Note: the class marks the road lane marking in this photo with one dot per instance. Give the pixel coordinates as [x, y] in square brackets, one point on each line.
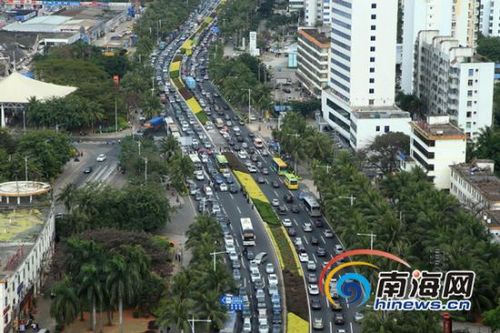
[305, 239]
[315, 260]
[331, 328]
[243, 263]
[238, 209]
[350, 324]
[324, 241]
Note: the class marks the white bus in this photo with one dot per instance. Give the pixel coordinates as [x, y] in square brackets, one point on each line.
[312, 206]
[247, 233]
[196, 161]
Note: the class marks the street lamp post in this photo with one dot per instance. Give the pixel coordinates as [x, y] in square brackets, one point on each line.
[145, 170]
[214, 255]
[249, 94]
[192, 321]
[139, 145]
[371, 235]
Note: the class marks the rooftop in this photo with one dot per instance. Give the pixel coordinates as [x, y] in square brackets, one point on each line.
[439, 131]
[480, 175]
[314, 36]
[19, 229]
[376, 112]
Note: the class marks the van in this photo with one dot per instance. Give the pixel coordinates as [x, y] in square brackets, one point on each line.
[219, 123]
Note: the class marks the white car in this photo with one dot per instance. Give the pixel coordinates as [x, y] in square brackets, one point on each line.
[101, 158]
[254, 267]
[263, 328]
[233, 255]
[216, 209]
[297, 241]
[236, 129]
[242, 154]
[247, 325]
[255, 276]
[307, 227]
[358, 316]
[204, 158]
[303, 257]
[275, 202]
[269, 268]
[252, 169]
[272, 279]
[226, 173]
[230, 247]
[223, 187]
[199, 175]
[287, 223]
[313, 289]
[311, 265]
[228, 240]
[339, 249]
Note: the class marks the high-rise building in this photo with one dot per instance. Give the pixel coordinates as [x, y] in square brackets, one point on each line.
[361, 85]
[436, 145]
[451, 80]
[313, 48]
[316, 12]
[295, 5]
[464, 21]
[421, 15]
[489, 18]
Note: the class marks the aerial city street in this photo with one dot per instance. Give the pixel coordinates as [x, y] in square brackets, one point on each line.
[263, 166]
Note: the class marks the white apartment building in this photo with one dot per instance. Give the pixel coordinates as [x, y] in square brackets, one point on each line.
[295, 5]
[489, 18]
[317, 12]
[477, 188]
[435, 145]
[464, 22]
[362, 70]
[313, 49]
[451, 80]
[421, 15]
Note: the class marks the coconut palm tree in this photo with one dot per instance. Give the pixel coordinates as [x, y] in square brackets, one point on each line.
[176, 312]
[91, 288]
[68, 196]
[66, 305]
[209, 307]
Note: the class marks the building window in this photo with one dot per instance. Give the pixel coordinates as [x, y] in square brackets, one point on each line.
[373, 27]
[469, 103]
[471, 72]
[371, 102]
[386, 129]
[470, 83]
[371, 90]
[374, 5]
[469, 114]
[372, 48]
[469, 93]
[372, 69]
[372, 38]
[372, 80]
[374, 16]
[372, 59]
[377, 128]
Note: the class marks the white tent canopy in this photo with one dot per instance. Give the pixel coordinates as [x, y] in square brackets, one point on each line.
[18, 89]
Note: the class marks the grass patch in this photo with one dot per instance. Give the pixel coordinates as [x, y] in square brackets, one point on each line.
[175, 66]
[194, 105]
[251, 187]
[285, 249]
[275, 245]
[296, 324]
[202, 117]
[266, 211]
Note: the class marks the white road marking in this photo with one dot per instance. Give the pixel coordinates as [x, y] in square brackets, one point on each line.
[243, 264]
[238, 209]
[331, 328]
[315, 260]
[327, 302]
[232, 196]
[305, 239]
[324, 241]
[352, 330]
[276, 193]
[347, 303]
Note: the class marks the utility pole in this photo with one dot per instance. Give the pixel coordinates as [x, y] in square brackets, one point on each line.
[24, 120]
[371, 235]
[327, 167]
[116, 114]
[214, 255]
[296, 135]
[145, 169]
[26, 167]
[139, 144]
[351, 198]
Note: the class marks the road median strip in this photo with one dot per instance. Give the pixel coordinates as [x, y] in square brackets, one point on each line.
[296, 324]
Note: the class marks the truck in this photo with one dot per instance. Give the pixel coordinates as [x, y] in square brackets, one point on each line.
[155, 123]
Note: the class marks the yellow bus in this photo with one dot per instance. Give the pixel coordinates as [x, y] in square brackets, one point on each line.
[279, 166]
[291, 181]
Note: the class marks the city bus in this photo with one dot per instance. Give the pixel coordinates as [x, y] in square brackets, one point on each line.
[312, 206]
[247, 233]
[291, 181]
[279, 166]
[222, 162]
[196, 161]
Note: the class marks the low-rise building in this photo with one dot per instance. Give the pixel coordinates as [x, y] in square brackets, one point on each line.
[436, 145]
[26, 248]
[451, 80]
[313, 48]
[478, 189]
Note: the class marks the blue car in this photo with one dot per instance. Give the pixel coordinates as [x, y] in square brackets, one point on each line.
[219, 179]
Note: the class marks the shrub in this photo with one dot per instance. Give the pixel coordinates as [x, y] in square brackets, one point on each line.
[202, 117]
[266, 212]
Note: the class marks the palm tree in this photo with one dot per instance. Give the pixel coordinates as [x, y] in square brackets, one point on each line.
[65, 306]
[210, 307]
[169, 146]
[176, 312]
[91, 288]
[121, 283]
[68, 196]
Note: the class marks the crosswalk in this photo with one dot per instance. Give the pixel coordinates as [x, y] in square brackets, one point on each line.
[102, 173]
